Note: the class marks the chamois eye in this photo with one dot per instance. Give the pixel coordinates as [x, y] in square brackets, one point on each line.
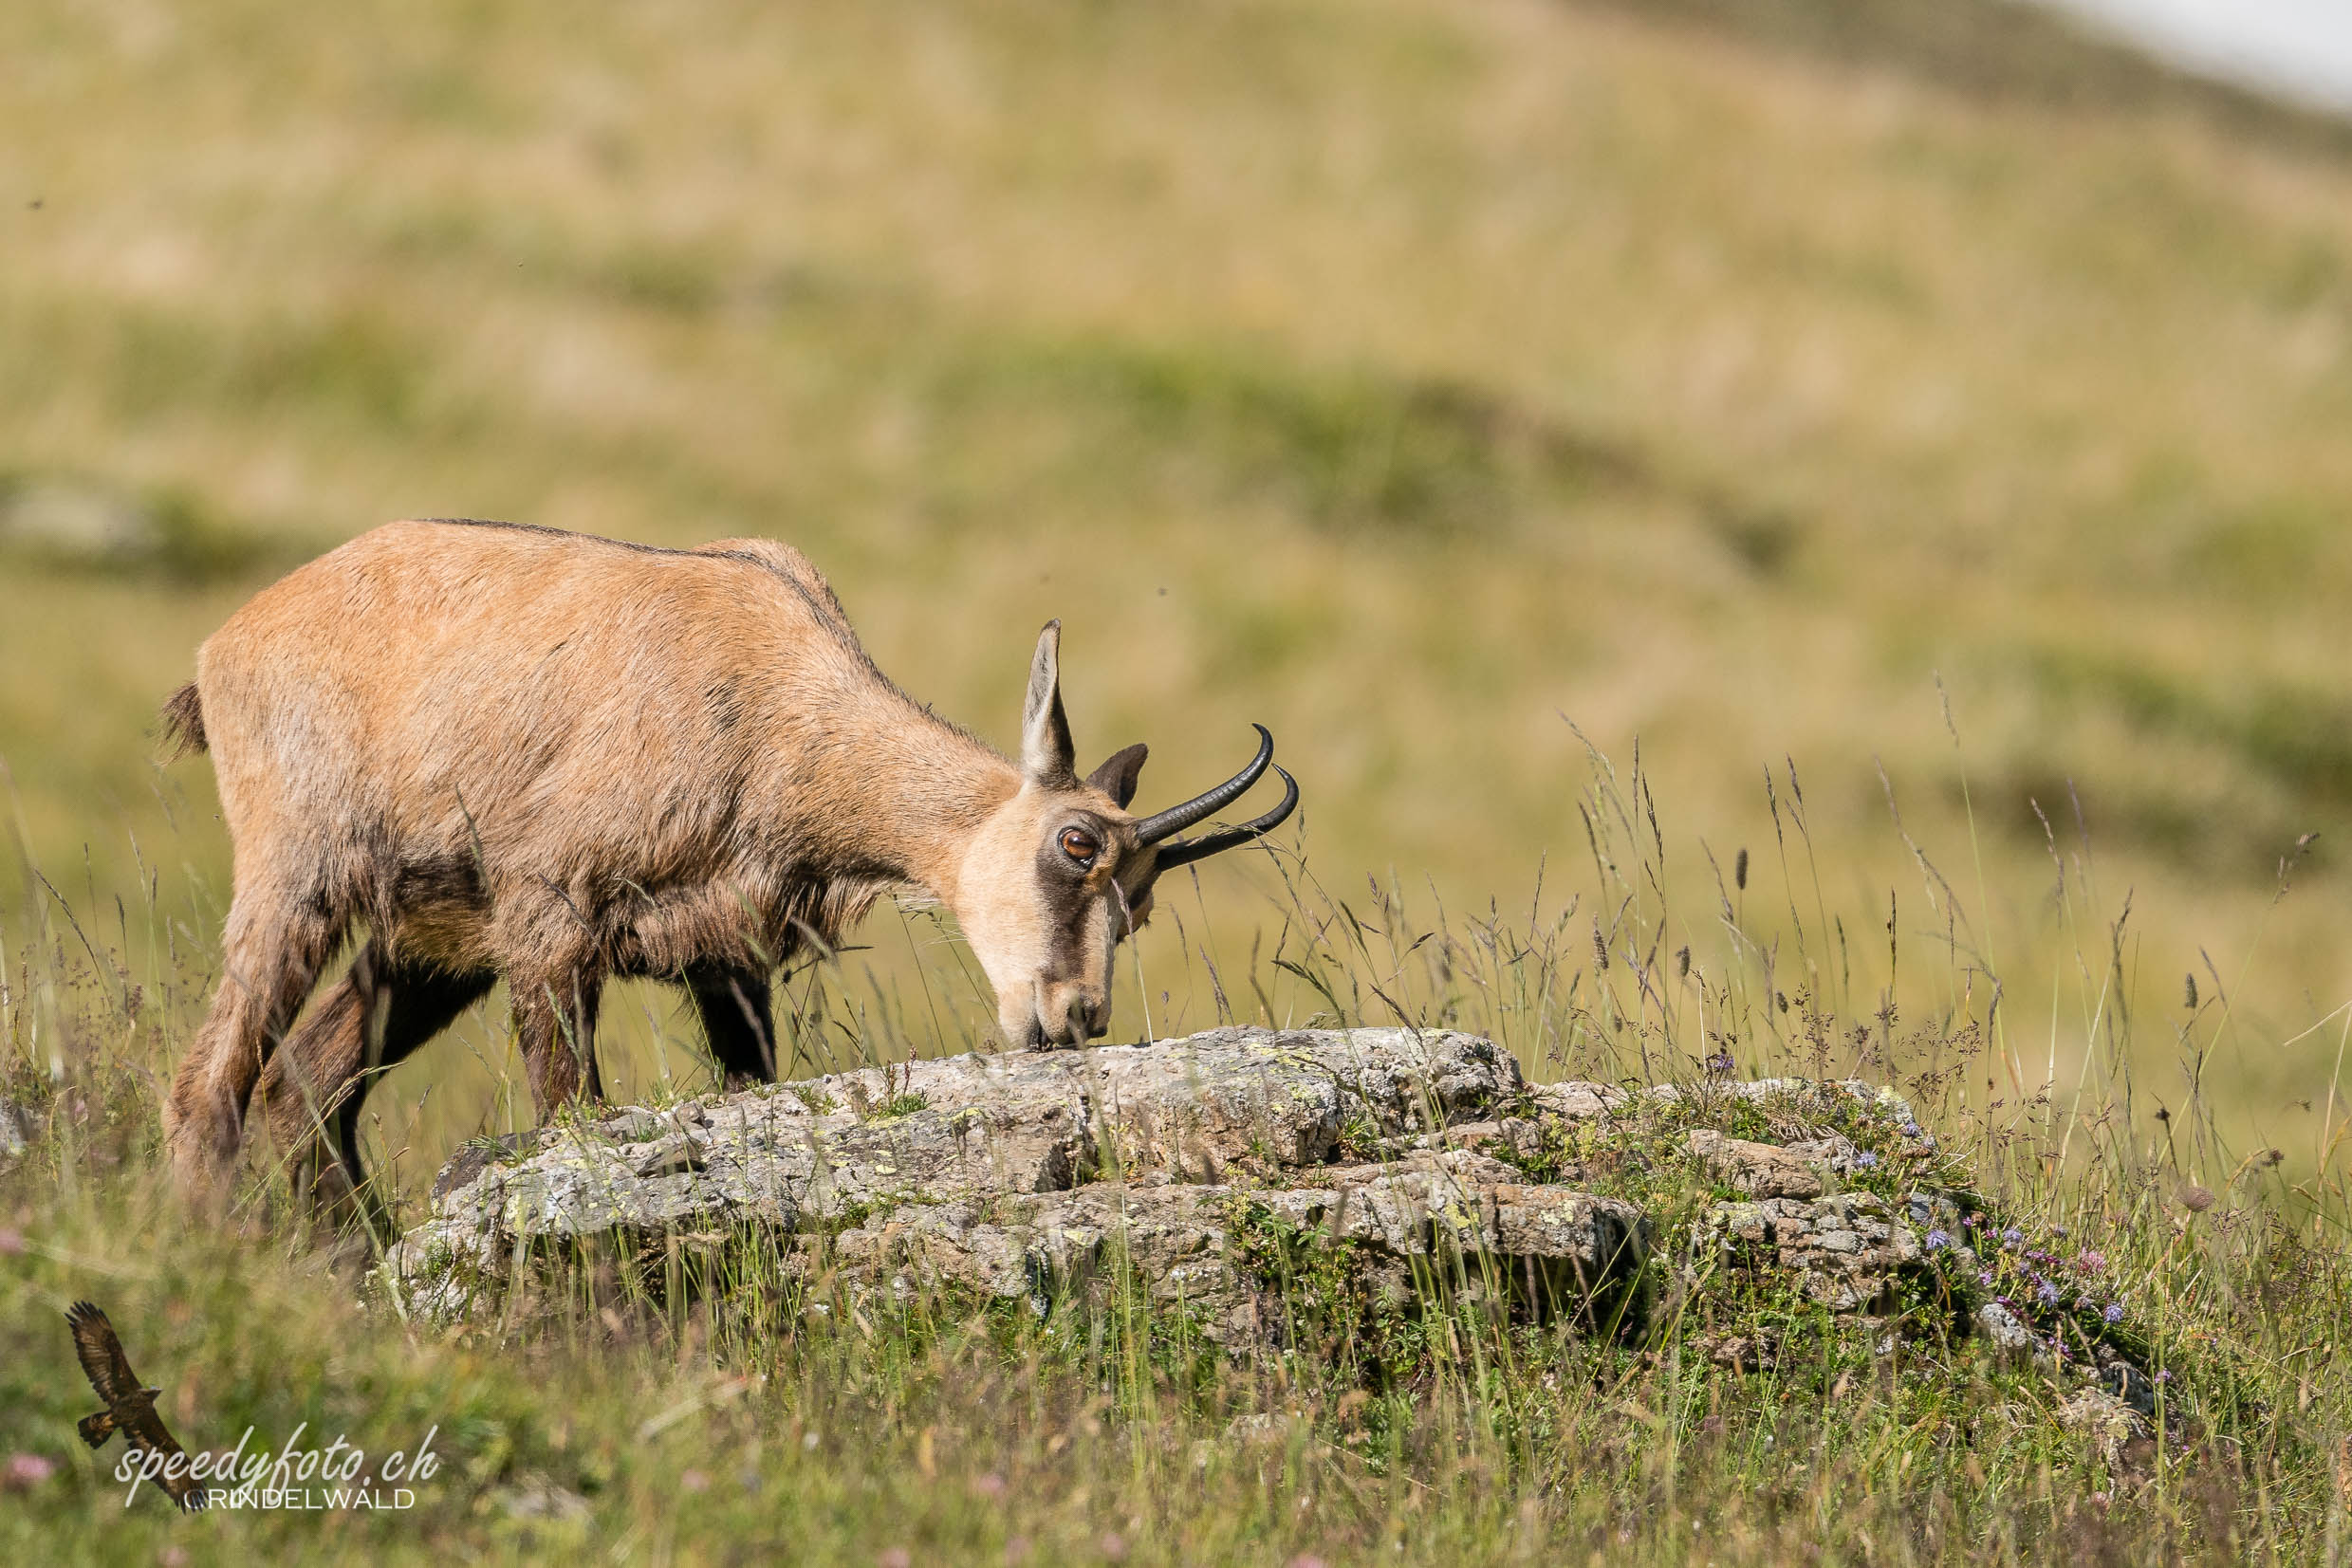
[1080, 845]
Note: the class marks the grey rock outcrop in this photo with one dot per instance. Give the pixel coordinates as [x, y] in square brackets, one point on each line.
[1214, 1174]
[1842, 1252]
[1033, 1175]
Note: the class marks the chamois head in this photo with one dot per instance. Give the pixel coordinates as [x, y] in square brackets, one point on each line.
[1061, 873]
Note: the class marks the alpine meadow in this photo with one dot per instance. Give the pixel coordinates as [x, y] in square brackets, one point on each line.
[1797, 552]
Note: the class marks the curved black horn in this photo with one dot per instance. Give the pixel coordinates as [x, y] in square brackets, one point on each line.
[1178, 818]
[1185, 851]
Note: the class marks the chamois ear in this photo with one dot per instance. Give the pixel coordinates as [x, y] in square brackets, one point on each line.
[1115, 777]
[1047, 759]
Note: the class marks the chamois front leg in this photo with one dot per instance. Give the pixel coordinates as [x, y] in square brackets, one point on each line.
[555, 1026]
[737, 1020]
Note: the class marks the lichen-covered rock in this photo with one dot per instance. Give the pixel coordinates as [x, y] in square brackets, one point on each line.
[1212, 1175]
[1007, 1173]
[1762, 1170]
[1173, 1239]
[19, 1127]
[2107, 1422]
[1579, 1101]
[1842, 1251]
[2005, 1331]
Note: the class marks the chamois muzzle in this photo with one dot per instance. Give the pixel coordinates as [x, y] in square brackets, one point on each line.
[1156, 828]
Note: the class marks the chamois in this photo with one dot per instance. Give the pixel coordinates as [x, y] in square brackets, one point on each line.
[515, 753]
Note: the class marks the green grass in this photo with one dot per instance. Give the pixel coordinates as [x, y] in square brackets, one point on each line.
[697, 1400]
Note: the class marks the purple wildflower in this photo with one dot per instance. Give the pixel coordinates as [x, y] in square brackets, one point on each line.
[2091, 1263]
[2012, 1236]
[1938, 1240]
[1865, 1159]
[1984, 1278]
[2115, 1312]
[2049, 1294]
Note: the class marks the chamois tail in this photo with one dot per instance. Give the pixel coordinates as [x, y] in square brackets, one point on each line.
[183, 722]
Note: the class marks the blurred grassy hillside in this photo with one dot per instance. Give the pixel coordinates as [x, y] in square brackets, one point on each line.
[1411, 377]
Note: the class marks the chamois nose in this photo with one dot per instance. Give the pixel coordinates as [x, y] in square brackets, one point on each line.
[1077, 1014]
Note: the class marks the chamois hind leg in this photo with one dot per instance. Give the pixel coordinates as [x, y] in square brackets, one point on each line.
[277, 939]
[555, 1025]
[736, 1021]
[371, 1022]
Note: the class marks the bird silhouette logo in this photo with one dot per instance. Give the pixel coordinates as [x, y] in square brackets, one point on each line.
[130, 1406]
